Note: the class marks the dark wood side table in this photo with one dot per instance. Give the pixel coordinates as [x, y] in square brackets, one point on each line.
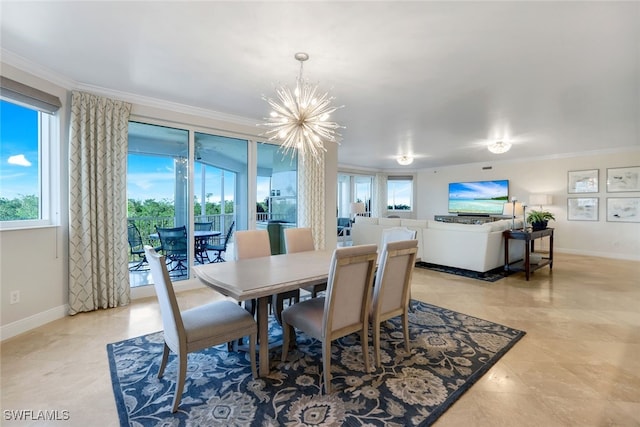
[529, 237]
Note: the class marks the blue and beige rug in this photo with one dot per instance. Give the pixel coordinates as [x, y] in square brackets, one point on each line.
[449, 352]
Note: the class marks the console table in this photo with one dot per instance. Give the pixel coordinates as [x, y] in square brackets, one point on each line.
[529, 236]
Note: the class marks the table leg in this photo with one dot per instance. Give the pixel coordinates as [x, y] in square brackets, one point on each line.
[263, 335]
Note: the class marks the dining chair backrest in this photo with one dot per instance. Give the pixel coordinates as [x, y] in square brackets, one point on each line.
[348, 294]
[298, 240]
[394, 234]
[203, 226]
[169, 309]
[252, 244]
[391, 291]
[393, 278]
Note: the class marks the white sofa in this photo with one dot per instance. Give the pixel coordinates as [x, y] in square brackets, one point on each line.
[476, 247]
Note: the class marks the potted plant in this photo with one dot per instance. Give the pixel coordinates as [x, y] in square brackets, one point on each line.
[539, 219]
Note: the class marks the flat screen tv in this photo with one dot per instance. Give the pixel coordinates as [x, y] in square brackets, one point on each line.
[478, 197]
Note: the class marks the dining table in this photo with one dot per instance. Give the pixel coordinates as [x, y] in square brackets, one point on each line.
[261, 278]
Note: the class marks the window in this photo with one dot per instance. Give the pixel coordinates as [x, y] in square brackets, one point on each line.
[26, 165]
[400, 193]
[353, 188]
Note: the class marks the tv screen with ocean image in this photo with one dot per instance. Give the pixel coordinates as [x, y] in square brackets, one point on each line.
[478, 197]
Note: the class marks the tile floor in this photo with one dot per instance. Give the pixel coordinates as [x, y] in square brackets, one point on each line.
[578, 365]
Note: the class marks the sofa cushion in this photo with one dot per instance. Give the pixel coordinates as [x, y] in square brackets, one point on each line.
[389, 222]
[471, 228]
[366, 220]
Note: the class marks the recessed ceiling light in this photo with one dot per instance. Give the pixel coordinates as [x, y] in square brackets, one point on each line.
[405, 160]
[499, 147]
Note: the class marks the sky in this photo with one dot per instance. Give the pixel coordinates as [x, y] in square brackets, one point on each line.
[18, 151]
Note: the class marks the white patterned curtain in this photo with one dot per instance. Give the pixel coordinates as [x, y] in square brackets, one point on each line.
[311, 195]
[379, 202]
[98, 247]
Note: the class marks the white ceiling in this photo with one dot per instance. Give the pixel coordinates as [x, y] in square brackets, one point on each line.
[432, 79]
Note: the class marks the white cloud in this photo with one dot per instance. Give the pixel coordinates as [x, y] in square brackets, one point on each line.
[19, 160]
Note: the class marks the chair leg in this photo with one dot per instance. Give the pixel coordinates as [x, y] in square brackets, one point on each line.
[326, 365]
[278, 306]
[253, 338]
[163, 363]
[405, 329]
[182, 373]
[365, 347]
[286, 337]
[376, 342]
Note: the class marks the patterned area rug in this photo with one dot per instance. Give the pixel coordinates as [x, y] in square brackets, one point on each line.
[449, 352]
[488, 276]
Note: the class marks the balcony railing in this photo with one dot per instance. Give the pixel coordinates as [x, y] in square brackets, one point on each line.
[147, 225]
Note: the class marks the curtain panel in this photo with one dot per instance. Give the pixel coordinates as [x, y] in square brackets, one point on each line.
[379, 200]
[98, 248]
[311, 206]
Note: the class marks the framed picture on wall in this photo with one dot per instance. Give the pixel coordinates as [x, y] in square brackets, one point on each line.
[582, 208]
[623, 209]
[623, 179]
[585, 181]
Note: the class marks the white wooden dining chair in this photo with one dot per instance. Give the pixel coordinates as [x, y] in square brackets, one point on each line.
[394, 234]
[391, 292]
[301, 240]
[342, 311]
[196, 328]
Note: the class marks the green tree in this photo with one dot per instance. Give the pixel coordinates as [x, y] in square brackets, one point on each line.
[19, 208]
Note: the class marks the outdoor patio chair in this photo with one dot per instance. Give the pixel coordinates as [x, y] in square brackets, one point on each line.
[197, 328]
[136, 247]
[201, 253]
[174, 246]
[222, 247]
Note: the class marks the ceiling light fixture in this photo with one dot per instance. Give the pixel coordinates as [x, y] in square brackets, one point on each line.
[499, 147]
[405, 160]
[300, 118]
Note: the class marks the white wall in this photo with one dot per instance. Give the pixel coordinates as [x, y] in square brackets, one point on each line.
[548, 176]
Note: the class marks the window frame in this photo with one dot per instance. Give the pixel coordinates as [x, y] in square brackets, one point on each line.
[48, 169]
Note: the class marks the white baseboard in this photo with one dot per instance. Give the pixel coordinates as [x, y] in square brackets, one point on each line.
[626, 257]
[24, 325]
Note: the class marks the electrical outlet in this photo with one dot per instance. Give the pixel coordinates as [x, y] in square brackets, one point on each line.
[15, 297]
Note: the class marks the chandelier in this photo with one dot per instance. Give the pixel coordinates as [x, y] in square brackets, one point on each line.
[300, 118]
[499, 147]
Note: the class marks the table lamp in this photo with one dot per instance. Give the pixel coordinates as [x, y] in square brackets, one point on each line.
[357, 208]
[512, 209]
